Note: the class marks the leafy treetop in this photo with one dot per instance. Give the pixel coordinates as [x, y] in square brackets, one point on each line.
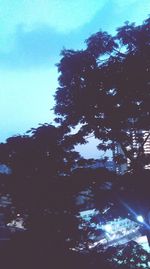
[106, 89]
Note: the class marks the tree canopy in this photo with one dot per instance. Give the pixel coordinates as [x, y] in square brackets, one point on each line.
[40, 152]
[38, 161]
[105, 88]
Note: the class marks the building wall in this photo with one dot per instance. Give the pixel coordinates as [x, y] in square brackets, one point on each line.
[146, 146]
[135, 145]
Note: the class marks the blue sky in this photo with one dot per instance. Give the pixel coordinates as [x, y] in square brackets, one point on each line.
[32, 34]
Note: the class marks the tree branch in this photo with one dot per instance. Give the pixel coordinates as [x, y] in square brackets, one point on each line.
[126, 152]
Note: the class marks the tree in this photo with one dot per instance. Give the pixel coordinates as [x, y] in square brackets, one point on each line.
[41, 187]
[105, 89]
[41, 151]
[37, 160]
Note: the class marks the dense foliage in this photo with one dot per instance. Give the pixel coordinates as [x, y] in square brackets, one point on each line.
[106, 89]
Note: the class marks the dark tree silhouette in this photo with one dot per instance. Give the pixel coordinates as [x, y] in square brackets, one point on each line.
[41, 188]
[106, 89]
[42, 151]
[38, 161]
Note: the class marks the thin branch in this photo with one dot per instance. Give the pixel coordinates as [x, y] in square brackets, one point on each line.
[126, 152]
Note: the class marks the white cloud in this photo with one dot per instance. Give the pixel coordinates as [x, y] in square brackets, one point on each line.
[63, 15]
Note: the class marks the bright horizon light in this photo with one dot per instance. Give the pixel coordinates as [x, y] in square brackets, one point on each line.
[140, 218]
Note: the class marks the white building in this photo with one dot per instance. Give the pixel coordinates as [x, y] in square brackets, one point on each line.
[135, 146]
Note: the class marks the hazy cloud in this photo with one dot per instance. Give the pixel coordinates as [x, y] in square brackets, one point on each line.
[38, 48]
[32, 48]
[34, 45]
[62, 15]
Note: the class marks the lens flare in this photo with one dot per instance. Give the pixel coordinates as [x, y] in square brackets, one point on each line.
[140, 219]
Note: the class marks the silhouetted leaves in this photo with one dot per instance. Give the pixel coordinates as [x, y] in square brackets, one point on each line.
[106, 88]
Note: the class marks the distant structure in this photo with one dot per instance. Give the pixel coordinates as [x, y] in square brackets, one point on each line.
[121, 168]
[110, 165]
[135, 145]
[147, 146]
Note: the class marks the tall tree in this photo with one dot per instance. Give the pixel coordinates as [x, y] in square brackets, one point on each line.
[37, 160]
[105, 89]
[42, 151]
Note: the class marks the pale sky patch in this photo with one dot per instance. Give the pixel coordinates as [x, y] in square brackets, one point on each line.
[25, 100]
[123, 3]
[136, 10]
